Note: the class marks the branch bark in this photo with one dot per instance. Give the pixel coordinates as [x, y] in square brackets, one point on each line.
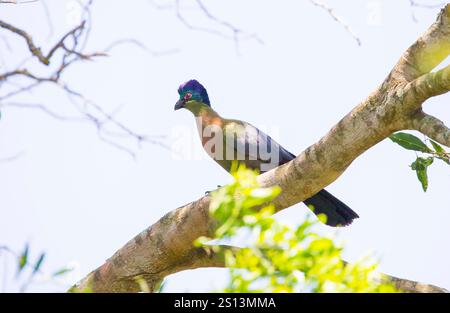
[31, 46]
[166, 247]
[431, 127]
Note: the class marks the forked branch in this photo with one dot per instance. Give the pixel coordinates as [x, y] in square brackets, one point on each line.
[167, 247]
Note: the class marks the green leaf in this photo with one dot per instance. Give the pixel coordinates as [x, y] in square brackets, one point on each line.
[420, 165]
[423, 178]
[23, 258]
[62, 271]
[409, 142]
[437, 147]
[440, 151]
[39, 262]
[161, 287]
[445, 159]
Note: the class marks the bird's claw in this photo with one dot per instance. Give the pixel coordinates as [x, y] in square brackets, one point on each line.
[209, 191]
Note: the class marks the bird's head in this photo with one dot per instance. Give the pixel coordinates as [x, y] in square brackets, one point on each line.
[192, 93]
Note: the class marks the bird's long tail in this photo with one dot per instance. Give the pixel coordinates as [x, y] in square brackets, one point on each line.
[338, 213]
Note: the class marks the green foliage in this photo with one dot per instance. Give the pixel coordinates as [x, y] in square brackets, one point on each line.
[39, 262]
[161, 286]
[23, 259]
[440, 153]
[27, 270]
[280, 258]
[62, 271]
[421, 164]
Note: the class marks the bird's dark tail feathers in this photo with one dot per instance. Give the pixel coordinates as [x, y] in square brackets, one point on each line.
[338, 213]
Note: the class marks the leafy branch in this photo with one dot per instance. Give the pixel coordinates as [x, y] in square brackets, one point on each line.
[421, 164]
[280, 258]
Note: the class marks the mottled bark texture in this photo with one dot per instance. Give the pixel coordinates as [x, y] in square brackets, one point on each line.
[166, 247]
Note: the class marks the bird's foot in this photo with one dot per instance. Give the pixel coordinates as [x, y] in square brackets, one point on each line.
[209, 191]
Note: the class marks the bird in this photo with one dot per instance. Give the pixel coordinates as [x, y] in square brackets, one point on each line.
[229, 140]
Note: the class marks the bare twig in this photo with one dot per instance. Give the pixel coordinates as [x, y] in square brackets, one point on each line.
[16, 1]
[140, 45]
[31, 46]
[232, 32]
[414, 4]
[13, 157]
[333, 15]
[44, 109]
[71, 44]
[48, 18]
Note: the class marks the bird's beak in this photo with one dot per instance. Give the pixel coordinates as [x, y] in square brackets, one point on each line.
[180, 103]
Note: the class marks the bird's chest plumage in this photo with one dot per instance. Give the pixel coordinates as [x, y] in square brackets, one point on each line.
[220, 140]
[211, 134]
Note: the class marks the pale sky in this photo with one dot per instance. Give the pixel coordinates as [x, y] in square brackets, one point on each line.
[80, 199]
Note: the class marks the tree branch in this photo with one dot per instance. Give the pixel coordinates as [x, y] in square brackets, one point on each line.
[236, 34]
[31, 46]
[411, 286]
[431, 127]
[414, 4]
[167, 246]
[428, 51]
[333, 15]
[162, 249]
[71, 46]
[431, 84]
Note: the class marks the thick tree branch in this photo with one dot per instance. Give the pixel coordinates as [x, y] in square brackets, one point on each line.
[428, 51]
[411, 286]
[168, 243]
[167, 246]
[430, 84]
[431, 127]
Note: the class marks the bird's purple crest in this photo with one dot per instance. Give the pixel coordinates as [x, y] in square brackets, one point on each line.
[196, 89]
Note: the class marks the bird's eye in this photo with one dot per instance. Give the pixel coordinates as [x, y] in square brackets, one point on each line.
[187, 96]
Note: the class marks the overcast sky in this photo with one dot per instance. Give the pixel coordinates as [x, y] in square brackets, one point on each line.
[80, 199]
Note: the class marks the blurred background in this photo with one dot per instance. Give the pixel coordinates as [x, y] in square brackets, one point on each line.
[91, 151]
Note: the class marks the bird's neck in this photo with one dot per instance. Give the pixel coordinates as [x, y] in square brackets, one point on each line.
[201, 110]
[206, 118]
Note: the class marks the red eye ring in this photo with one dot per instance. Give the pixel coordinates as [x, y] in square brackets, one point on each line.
[187, 96]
